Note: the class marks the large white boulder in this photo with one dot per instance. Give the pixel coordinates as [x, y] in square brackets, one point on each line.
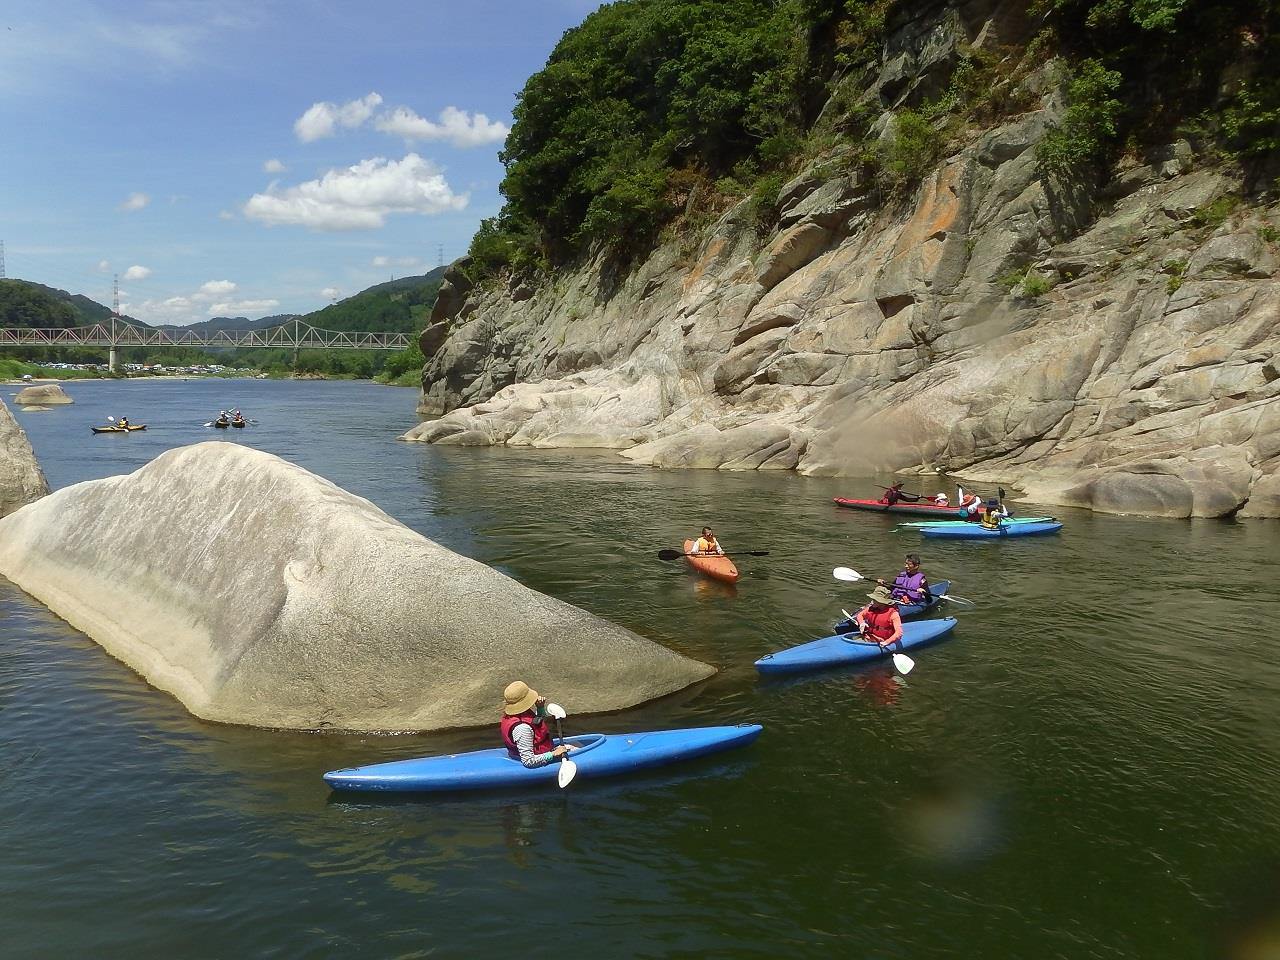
[21, 480]
[43, 394]
[258, 593]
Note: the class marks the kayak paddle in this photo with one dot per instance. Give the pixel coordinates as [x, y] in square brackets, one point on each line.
[568, 769]
[900, 660]
[676, 554]
[853, 576]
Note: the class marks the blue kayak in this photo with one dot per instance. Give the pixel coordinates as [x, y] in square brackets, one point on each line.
[936, 590]
[917, 524]
[843, 649]
[975, 531]
[599, 755]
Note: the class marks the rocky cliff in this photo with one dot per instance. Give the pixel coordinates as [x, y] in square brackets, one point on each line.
[21, 480]
[258, 593]
[1108, 342]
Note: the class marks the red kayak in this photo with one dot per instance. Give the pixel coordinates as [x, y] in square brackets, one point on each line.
[921, 509]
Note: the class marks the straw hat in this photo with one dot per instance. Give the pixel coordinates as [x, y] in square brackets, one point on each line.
[879, 595]
[517, 698]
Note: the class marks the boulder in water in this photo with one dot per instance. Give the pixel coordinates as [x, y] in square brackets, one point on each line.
[21, 480]
[44, 394]
[258, 593]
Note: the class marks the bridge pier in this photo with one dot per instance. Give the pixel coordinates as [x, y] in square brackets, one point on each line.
[111, 360]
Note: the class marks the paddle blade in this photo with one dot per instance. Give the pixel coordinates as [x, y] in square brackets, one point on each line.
[669, 554]
[847, 614]
[904, 663]
[568, 770]
[110, 419]
[845, 573]
[555, 711]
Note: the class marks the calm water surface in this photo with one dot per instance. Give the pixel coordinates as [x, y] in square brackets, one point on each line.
[1089, 768]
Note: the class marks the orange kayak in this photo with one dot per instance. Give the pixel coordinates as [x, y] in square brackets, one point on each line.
[720, 568]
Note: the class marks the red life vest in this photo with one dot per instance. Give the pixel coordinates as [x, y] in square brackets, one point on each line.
[541, 733]
[879, 622]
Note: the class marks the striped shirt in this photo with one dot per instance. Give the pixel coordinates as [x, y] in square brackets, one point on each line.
[522, 734]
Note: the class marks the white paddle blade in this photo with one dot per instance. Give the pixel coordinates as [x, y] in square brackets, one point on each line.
[847, 614]
[904, 663]
[568, 770]
[844, 573]
[110, 419]
[555, 711]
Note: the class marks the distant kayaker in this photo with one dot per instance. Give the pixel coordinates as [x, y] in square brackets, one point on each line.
[124, 422]
[524, 728]
[879, 620]
[910, 585]
[707, 543]
[993, 514]
[895, 493]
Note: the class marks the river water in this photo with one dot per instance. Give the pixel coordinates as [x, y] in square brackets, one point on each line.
[1088, 768]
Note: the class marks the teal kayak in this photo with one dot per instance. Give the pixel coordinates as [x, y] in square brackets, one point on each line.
[975, 531]
[848, 648]
[917, 524]
[598, 755]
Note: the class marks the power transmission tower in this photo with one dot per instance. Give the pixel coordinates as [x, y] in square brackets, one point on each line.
[440, 255]
[2, 273]
[115, 315]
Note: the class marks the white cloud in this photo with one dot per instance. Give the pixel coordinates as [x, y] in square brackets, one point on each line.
[359, 197]
[226, 215]
[330, 293]
[456, 126]
[136, 201]
[274, 166]
[213, 289]
[137, 272]
[323, 118]
[238, 308]
[396, 261]
[104, 266]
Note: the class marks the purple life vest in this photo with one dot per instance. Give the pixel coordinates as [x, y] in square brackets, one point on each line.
[908, 587]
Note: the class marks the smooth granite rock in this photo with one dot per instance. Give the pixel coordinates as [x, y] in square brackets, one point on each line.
[258, 593]
[21, 480]
[44, 394]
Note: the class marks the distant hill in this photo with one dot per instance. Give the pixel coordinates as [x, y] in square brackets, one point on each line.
[218, 324]
[83, 311]
[396, 306]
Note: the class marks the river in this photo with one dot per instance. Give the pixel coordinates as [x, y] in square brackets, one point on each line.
[1088, 768]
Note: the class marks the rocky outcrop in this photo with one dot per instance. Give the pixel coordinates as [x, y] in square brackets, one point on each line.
[43, 394]
[258, 593]
[1111, 345]
[21, 480]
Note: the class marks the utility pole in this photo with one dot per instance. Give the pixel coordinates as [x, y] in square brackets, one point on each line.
[115, 315]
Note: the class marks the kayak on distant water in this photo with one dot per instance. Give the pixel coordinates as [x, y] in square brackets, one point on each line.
[713, 565]
[599, 755]
[974, 531]
[113, 429]
[923, 509]
[848, 648]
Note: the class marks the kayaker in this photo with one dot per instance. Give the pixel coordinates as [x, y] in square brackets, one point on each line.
[970, 504]
[993, 514]
[707, 543]
[910, 585]
[879, 620]
[124, 422]
[895, 494]
[524, 728]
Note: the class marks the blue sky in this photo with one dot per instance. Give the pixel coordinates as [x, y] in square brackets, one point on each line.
[253, 158]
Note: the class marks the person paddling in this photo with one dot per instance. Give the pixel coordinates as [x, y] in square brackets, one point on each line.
[910, 585]
[879, 620]
[707, 544]
[895, 494]
[524, 729]
[970, 504]
[993, 514]
[124, 422]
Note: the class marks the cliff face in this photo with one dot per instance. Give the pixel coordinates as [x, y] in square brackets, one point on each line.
[1111, 346]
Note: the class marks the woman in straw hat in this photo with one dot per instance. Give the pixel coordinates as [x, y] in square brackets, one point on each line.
[879, 620]
[524, 728]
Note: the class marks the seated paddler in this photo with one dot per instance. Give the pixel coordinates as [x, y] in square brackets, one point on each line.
[910, 585]
[879, 620]
[524, 728]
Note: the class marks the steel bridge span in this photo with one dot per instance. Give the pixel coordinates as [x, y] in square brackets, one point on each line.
[293, 335]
